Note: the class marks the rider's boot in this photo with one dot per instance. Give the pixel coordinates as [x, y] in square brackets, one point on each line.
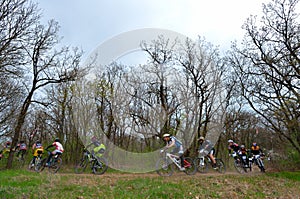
[214, 165]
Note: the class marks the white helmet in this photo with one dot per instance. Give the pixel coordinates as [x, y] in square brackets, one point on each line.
[166, 135]
[201, 138]
[230, 141]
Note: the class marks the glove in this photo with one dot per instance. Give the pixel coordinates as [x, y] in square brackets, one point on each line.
[161, 151]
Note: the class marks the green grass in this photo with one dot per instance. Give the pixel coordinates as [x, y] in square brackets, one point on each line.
[24, 184]
[148, 188]
[289, 175]
[15, 183]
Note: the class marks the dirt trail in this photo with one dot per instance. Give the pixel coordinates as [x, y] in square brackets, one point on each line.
[176, 175]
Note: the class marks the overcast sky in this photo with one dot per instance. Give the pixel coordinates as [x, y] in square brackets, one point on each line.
[88, 23]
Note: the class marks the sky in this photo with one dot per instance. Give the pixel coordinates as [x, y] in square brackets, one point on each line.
[87, 24]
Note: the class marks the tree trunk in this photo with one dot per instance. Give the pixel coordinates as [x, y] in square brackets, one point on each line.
[18, 128]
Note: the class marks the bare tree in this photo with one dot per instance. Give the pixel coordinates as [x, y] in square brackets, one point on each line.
[45, 66]
[16, 18]
[203, 88]
[160, 87]
[10, 97]
[267, 67]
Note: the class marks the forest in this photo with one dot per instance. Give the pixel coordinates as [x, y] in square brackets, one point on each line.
[185, 88]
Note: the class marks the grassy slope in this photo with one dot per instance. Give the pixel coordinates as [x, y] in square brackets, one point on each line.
[24, 184]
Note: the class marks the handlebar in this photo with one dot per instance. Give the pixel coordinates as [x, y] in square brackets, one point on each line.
[48, 151]
[86, 152]
[165, 153]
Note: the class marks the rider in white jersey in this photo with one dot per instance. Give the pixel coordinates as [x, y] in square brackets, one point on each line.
[207, 148]
[172, 141]
[58, 149]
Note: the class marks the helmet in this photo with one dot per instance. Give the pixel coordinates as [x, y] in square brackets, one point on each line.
[254, 144]
[242, 146]
[201, 138]
[57, 140]
[8, 143]
[166, 135]
[94, 138]
[229, 141]
[37, 142]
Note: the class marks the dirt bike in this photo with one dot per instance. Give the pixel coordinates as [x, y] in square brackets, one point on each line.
[167, 163]
[203, 161]
[54, 163]
[257, 160]
[37, 163]
[98, 164]
[241, 164]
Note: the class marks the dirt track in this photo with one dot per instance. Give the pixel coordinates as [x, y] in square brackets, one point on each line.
[176, 175]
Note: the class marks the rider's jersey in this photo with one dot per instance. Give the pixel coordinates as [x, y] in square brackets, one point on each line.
[243, 151]
[255, 150]
[38, 149]
[177, 142]
[207, 145]
[22, 146]
[234, 147]
[6, 148]
[58, 146]
[99, 150]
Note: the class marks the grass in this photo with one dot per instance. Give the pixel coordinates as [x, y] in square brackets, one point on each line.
[289, 175]
[24, 184]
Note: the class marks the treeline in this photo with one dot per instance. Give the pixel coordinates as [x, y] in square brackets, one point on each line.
[186, 88]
